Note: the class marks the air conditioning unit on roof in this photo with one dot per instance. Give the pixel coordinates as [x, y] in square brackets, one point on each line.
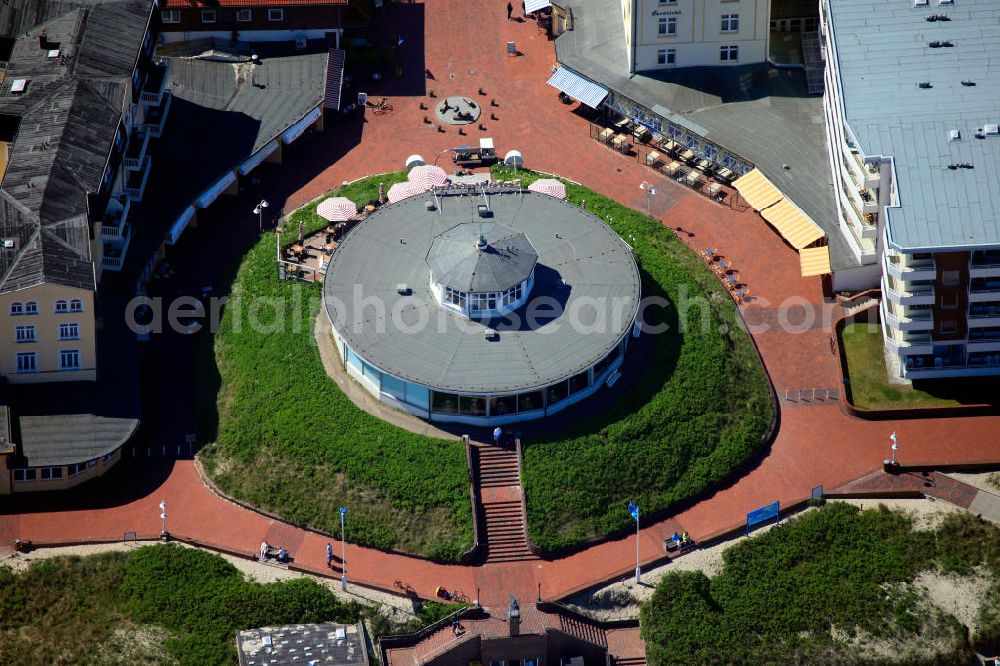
[992, 129]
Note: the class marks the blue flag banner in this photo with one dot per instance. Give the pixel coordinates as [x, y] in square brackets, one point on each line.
[633, 510]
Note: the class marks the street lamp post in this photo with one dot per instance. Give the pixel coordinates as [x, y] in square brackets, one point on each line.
[259, 212]
[343, 550]
[633, 510]
[650, 191]
[163, 519]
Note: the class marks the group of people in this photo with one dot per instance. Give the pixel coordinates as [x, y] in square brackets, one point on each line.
[681, 540]
[502, 438]
[265, 552]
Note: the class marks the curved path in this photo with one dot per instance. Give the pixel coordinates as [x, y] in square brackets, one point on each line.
[816, 445]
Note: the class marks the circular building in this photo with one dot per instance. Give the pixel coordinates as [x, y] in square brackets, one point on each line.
[482, 306]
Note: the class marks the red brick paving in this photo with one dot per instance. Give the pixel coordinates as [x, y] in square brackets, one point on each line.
[814, 446]
[932, 484]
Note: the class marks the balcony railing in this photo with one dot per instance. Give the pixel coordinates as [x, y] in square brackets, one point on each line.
[156, 82]
[114, 254]
[135, 186]
[156, 117]
[136, 151]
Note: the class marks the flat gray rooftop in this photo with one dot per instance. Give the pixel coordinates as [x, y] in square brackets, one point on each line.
[299, 644]
[761, 113]
[884, 52]
[451, 352]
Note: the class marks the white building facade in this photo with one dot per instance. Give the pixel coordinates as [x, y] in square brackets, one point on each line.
[661, 34]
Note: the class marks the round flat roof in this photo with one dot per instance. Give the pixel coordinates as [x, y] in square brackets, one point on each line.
[584, 300]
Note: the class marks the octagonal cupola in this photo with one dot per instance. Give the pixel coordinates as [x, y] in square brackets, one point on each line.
[481, 269]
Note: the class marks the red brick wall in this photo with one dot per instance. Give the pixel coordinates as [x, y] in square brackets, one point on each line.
[955, 294]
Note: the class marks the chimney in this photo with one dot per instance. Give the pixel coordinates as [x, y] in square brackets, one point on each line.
[43, 40]
[514, 618]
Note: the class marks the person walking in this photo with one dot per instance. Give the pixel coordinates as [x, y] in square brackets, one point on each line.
[329, 555]
[497, 433]
[510, 10]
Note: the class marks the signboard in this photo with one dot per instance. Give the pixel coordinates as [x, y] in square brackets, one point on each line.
[511, 48]
[763, 514]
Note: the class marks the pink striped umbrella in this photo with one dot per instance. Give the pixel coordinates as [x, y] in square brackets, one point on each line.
[428, 176]
[549, 186]
[401, 191]
[337, 209]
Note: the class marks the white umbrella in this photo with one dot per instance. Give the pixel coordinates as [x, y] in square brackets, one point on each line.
[428, 176]
[549, 186]
[400, 191]
[337, 209]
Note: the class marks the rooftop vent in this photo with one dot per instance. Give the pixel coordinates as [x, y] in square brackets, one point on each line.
[924, 84]
[491, 335]
[403, 289]
[481, 244]
[954, 135]
[992, 129]
[8, 243]
[920, 3]
[946, 2]
[18, 85]
[968, 82]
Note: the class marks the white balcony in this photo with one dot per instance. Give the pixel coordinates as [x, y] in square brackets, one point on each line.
[156, 83]
[135, 183]
[908, 293]
[908, 344]
[903, 322]
[907, 269]
[984, 290]
[136, 151]
[113, 227]
[114, 252]
[984, 265]
[870, 173]
[156, 117]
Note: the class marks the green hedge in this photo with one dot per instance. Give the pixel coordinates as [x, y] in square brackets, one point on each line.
[289, 441]
[802, 592]
[104, 609]
[700, 409]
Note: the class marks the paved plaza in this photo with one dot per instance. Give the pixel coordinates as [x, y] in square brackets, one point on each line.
[464, 50]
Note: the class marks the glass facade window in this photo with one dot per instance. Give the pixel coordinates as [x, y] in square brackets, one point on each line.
[603, 364]
[418, 396]
[394, 387]
[529, 402]
[579, 382]
[353, 359]
[502, 405]
[444, 403]
[472, 405]
[557, 392]
[370, 372]
[454, 297]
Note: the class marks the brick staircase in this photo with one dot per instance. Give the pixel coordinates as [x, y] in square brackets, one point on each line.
[499, 488]
[583, 630]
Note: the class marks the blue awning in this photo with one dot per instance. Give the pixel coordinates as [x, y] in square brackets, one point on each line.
[212, 193]
[177, 228]
[582, 90]
[296, 130]
[252, 162]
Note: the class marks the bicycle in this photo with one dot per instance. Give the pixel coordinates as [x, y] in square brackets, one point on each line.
[382, 108]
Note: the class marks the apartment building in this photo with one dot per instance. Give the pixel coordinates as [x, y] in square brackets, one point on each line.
[263, 20]
[80, 99]
[661, 34]
[912, 112]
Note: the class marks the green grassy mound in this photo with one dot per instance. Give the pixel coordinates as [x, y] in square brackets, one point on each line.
[837, 585]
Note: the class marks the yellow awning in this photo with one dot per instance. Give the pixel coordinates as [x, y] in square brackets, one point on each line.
[814, 261]
[758, 191]
[792, 224]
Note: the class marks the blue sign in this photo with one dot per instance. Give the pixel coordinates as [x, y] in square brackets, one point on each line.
[633, 510]
[763, 514]
[343, 510]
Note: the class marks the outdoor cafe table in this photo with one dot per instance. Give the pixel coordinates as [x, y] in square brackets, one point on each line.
[620, 142]
[297, 249]
[640, 132]
[606, 135]
[693, 178]
[673, 167]
[686, 155]
[653, 158]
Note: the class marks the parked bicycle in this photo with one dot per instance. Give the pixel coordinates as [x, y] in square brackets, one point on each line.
[381, 108]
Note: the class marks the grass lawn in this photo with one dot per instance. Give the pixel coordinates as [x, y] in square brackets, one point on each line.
[700, 409]
[834, 586]
[159, 604]
[863, 347]
[286, 439]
